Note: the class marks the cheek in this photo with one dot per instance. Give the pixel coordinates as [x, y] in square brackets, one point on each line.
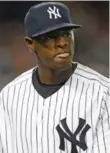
[72, 47]
[46, 55]
[43, 52]
[50, 44]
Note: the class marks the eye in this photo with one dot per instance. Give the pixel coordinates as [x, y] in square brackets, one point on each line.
[67, 33]
[52, 36]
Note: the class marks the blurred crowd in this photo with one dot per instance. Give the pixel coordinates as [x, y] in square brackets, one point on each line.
[91, 41]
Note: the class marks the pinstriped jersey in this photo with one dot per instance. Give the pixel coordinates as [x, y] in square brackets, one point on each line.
[74, 119]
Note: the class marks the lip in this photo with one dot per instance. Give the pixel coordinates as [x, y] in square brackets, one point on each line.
[63, 55]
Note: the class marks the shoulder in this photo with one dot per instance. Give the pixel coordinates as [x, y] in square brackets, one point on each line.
[89, 74]
[25, 76]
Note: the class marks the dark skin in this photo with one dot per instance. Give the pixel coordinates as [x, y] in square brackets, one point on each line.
[54, 53]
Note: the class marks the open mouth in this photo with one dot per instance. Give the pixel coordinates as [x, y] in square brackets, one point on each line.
[63, 55]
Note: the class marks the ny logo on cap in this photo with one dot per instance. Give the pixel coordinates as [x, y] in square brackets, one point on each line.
[53, 12]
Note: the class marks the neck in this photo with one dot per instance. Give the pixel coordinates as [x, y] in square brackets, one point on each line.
[49, 76]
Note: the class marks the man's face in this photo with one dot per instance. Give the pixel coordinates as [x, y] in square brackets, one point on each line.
[54, 50]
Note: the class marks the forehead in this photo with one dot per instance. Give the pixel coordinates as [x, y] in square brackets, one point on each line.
[53, 35]
[59, 31]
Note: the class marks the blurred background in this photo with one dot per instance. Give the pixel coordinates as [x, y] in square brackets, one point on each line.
[91, 44]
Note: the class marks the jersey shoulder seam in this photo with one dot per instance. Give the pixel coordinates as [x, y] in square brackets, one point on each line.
[91, 74]
[18, 80]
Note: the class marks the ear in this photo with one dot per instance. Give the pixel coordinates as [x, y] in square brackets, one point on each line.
[29, 43]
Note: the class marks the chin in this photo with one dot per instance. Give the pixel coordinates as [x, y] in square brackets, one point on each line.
[64, 66]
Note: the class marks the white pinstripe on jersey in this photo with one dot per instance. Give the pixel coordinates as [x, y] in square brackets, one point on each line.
[28, 121]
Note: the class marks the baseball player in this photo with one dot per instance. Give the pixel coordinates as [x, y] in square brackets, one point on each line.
[59, 106]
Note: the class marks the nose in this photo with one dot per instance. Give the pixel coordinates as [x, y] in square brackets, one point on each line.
[61, 42]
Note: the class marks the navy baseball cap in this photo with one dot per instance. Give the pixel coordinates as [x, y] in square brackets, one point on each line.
[46, 17]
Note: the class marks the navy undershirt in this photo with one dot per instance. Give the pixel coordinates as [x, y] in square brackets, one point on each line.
[43, 89]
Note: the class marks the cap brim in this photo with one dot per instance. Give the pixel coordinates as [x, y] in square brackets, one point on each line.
[56, 27]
